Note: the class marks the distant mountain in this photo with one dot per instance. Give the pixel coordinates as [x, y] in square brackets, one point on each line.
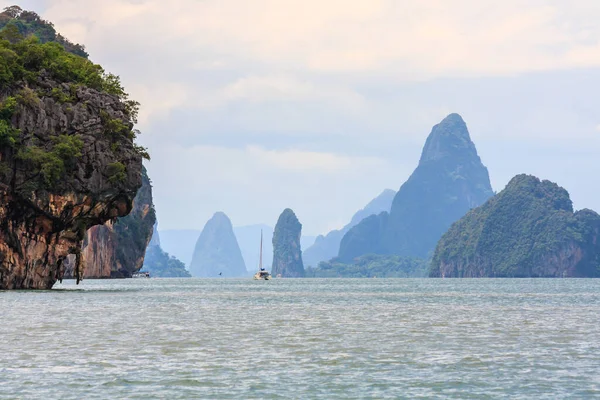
[248, 238]
[327, 247]
[180, 243]
[287, 252]
[217, 252]
[160, 264]
[527, 230]
[449, 181]
[372, 266]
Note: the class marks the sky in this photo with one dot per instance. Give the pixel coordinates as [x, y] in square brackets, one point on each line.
[250, 107]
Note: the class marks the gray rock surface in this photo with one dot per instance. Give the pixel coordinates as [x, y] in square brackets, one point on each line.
[449, 181]
[287, 251]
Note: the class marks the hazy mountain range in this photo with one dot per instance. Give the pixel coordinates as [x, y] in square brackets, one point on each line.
[181, 242]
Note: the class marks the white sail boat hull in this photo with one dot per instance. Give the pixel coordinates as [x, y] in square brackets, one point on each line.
[264, 275]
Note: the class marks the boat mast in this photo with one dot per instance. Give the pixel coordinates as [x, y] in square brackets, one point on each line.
[260, 260]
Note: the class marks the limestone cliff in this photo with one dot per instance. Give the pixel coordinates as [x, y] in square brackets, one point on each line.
[527, 230]
[449, 180]
[287, 252]
[217, 253]
[67, 158]
[117, 249]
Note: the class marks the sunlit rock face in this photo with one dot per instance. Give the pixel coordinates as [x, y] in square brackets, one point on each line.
[41, 223]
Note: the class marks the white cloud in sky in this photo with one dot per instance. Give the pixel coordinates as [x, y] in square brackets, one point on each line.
[321, 104]
[165, 43]
[260, 89]
[433, 37]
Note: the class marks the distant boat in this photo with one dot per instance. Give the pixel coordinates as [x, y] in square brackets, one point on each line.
[262, 274]
[141, 274]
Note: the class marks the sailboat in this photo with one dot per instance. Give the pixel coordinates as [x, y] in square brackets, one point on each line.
[262, 273]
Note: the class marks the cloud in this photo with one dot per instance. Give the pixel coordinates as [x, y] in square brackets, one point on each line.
[261, 89]
[268, 50]
[320, 105]
[202, 179]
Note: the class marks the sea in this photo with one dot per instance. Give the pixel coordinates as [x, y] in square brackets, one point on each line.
[302, 339]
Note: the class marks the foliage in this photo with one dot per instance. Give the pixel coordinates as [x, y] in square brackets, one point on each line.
[52, 164]
[29, 23]
[115, 128]
[30, 47]
[61, 96]
[27, 97]
[161, 265]
[142, 151]
[8, 134]
[371, 265]
[116, 172]
[23, 57]
[7, 108]
[518, 233]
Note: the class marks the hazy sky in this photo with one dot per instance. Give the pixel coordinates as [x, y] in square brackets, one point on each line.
[249, 107]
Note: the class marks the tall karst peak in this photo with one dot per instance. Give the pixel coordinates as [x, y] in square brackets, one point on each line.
[287, 252]
[449, 180]
[217, 252]
[449, 139]
[221, 218]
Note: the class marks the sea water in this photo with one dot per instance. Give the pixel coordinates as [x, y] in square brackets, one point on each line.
[302, 339]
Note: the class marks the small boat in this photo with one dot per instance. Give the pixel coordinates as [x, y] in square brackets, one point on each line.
[141, 274]
[262, 273]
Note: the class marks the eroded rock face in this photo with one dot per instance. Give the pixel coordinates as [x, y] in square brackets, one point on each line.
[287, 252]
[41, 223]
[117, 249]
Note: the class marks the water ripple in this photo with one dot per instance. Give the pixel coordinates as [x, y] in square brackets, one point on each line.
[308, 339]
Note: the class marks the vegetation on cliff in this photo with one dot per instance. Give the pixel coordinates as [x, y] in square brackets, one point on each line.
[161, 265]
[29, 23]
[68, 160]
[527, 230]
[217, 253]
[449, 180]
[371, 266]
[37, 63]
[287, 251]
